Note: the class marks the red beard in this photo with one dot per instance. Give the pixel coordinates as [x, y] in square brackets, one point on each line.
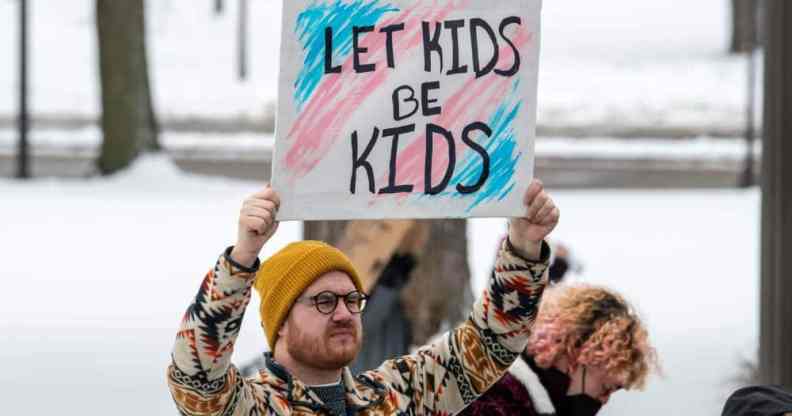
[335, 348]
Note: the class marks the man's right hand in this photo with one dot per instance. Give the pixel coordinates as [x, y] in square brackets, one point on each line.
[256, 225]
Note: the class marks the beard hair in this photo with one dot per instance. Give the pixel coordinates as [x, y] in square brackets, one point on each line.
[316, 351]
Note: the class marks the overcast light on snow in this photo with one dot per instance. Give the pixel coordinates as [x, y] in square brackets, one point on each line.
[98, 273]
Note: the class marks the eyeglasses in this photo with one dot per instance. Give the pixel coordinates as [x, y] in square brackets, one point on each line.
[327, 301]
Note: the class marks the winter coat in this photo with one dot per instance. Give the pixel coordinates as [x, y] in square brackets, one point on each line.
[759, 401]
[386, 328]
[438, 379]
[529, 390]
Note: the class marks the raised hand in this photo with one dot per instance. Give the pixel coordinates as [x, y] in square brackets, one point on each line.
[541, 217]
[256, 225]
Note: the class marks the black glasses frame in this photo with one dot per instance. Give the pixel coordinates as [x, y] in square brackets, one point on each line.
[355, 301]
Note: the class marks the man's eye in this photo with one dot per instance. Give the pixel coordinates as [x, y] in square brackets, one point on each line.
[325, 300]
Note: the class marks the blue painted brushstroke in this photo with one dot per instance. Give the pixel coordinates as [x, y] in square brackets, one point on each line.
[501, 147]
[341, 15]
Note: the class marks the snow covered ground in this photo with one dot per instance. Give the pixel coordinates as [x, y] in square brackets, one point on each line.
[649, 62]
[97, 274]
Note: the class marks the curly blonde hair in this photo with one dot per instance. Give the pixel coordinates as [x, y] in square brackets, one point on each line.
[592, 326]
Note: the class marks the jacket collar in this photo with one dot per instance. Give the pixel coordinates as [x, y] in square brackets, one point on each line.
[530, 380]
[361, 392]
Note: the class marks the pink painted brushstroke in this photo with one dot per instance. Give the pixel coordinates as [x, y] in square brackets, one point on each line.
[318, 126]
[457, 111]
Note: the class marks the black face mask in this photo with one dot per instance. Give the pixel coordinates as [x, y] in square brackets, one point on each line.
[581, 405]
[557, 384]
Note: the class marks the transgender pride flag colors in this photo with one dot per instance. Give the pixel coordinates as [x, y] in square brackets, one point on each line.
[406, 109]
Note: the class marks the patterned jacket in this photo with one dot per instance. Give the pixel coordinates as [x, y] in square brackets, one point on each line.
[519, 392]
[528, 390]
[439, 379]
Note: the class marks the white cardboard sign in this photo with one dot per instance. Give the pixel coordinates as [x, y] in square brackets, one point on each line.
[406, 109]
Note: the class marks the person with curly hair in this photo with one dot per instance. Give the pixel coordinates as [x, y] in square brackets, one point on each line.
[587, 343]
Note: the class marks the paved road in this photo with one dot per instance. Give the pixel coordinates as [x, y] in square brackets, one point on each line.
[555, 172]
[266, 124]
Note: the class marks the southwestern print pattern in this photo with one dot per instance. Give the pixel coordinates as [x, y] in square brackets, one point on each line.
[439, 379]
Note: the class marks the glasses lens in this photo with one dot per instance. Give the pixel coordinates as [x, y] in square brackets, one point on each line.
[326, 302]
[355, 301]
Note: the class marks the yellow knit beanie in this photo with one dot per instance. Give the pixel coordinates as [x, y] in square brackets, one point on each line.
[283, 277]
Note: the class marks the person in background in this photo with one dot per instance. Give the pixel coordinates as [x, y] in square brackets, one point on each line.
[759, 401]
[388, 331]
[562, 262]
[587, 344]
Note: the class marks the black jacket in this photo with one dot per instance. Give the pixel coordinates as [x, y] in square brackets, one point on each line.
[759, 401]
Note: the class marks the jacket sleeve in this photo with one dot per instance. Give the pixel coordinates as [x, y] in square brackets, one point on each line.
[201, 377]
[448, 374]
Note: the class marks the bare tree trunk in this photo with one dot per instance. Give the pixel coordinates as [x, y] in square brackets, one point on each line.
[745, 27]
[23, 155]
[327, 231]
[152, 142]
[242, 42]
[775, 339]
[128, 122]
[438, 295]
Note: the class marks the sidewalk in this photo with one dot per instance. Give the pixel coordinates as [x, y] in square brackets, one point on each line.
[266, 124]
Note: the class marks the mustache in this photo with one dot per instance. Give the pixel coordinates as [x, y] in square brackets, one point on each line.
[343, 327]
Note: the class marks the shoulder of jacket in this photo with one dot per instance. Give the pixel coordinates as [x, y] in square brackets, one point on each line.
[530, 380]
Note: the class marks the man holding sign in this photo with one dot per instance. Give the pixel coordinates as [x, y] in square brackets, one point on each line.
[311, 301]
[387, 109]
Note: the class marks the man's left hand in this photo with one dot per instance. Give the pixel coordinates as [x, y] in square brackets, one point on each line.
[541, 217]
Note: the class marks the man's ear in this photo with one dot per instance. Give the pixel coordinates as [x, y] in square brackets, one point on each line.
[283, 331]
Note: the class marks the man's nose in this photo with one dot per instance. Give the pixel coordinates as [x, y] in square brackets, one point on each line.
[341, 312]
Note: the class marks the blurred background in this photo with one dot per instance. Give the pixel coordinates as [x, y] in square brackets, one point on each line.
[130, 132]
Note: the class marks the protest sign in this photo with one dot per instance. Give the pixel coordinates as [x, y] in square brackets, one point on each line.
[406, 109]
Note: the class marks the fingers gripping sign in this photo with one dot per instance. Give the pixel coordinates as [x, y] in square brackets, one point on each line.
[541, 217]
[257, 224]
